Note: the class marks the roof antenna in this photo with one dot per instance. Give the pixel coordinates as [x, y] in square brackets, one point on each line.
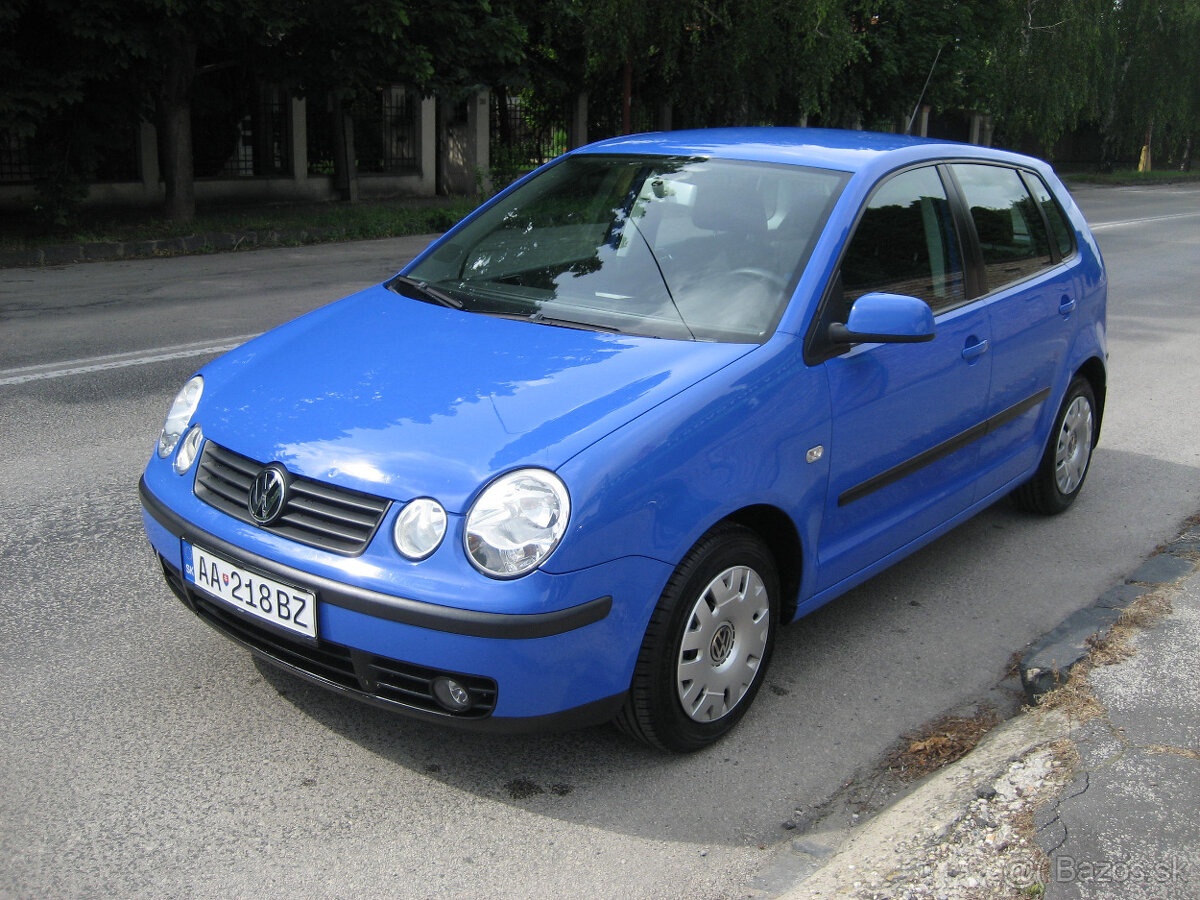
[928, 78]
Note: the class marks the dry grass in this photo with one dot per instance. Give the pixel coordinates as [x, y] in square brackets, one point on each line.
[1074, 697]
[1141, 614]
[939, 743]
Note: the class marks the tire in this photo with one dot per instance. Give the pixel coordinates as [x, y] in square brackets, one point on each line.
[1068, 455]
[708, 644]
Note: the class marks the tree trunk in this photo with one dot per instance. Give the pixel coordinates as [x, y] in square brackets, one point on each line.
[175, 128]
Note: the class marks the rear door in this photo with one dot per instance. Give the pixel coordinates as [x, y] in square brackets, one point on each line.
[1029, 293]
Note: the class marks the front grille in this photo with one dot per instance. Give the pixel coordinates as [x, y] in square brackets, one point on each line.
[385, 681]
[317, 514]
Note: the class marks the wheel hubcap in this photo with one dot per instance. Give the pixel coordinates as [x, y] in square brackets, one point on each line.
[1074, 446]
[724, 642]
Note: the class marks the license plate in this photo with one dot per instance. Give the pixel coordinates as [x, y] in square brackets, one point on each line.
[280, 604]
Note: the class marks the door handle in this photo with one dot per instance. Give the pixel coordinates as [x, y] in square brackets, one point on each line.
[972, 352]
[1066, 305]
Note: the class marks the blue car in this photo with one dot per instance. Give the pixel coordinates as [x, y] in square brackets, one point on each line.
[583, 457]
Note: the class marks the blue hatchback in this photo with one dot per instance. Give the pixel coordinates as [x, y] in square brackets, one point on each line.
[583, 457]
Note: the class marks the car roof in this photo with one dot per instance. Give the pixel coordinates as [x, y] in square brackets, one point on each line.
[848, 151]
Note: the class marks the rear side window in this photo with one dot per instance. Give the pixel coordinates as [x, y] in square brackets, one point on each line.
[1012, 235]
[905, 243]
[1060, 228]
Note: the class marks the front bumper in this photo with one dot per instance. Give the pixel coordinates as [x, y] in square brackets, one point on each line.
[558, 669]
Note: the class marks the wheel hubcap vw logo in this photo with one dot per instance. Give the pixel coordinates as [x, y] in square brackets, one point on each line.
[267, 494]
[722, 644]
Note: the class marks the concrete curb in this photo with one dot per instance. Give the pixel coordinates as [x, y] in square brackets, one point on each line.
[923, 816]
[1049, 661]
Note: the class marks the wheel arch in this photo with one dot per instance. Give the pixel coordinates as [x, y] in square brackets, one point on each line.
[778, 532]
[1097, 376]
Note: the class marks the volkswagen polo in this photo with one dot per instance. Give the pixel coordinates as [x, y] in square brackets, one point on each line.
[583, 457]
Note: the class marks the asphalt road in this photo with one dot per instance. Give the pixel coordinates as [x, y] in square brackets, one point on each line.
[146, 756]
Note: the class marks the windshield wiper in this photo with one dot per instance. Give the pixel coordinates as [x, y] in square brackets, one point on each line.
[542, 319]
[425, 291]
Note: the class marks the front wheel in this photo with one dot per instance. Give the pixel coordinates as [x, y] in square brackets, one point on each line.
[707, 645]
[1068, 454]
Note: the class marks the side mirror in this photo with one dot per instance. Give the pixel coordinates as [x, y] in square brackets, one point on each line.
[886, 319]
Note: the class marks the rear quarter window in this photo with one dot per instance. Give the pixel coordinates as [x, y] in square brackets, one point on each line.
[1060, 229]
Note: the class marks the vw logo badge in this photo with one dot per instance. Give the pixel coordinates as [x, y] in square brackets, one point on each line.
[267, 494]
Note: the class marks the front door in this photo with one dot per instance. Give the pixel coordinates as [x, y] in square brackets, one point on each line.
[904, 446]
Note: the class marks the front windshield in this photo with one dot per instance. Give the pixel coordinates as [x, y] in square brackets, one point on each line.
[694, 249]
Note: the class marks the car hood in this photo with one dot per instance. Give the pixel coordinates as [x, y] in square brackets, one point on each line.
[400, 398]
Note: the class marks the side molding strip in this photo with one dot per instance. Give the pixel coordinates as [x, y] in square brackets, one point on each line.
[933, 454]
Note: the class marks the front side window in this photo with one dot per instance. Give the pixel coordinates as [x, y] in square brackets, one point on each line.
[695, 249]
[905, 243]
[1012, 236]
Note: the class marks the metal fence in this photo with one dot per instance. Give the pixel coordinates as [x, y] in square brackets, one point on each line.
[319, 137]
[16, 159]
[524, 134]
[116, 162]
[386, 131]
[252, 141]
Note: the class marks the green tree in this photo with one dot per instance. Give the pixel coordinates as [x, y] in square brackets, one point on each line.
[1050, 68]
[914, 52]
[75, 64]
[308, 44]
[759, 61]
[719, 62]
[1155, 79]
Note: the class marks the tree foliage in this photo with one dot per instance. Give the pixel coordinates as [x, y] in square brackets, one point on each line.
[64, 78]
[1040, 68]
[1051, 67]
[1155, 75]
[914, 52]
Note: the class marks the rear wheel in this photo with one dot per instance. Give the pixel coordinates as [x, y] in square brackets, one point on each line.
[1068, 454]
[707, 645]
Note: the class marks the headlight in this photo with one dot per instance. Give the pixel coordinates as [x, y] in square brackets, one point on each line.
[517, 522]
[180, 415]
[419, 528]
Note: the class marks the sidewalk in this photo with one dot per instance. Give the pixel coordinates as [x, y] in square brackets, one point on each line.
[1091, 795]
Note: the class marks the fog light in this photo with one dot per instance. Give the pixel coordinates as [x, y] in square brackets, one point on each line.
[419, 528]
[453, 696]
